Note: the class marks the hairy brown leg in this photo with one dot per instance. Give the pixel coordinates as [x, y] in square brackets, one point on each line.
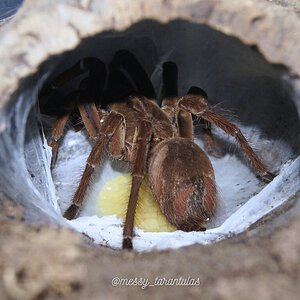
[198, 106]
[96, 115]
[116, 145]
[60, 123]
[210, 144]
[92, 132]
[138, 172]
[234, 131]
[185, 124]
[90, 117]
[57, 134]
[182, 119]
[109, 126]
[91, 88]
[59, 126]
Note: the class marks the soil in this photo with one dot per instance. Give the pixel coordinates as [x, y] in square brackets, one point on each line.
[291, 4]
[39, 262]
[43, 262]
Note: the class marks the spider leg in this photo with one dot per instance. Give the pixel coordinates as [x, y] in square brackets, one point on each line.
[91, 121]
[117, 145]
[181, 118]
[185, 124]
[110, 124]
[210, 144]
[138, 172]
[59, 127]
[198, 106]
[91, 88]
[57, 132]
[234, 131]
[92, 132]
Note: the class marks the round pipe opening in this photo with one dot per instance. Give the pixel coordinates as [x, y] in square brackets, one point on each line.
[235, 76]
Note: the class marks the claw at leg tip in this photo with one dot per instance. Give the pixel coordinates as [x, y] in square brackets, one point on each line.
[127, 243]
[71, 212]
[268, 176]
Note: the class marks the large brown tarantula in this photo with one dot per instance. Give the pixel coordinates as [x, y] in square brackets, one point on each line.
[155, 139]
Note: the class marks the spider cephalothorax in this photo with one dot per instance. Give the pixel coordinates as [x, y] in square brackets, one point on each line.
[156, 139]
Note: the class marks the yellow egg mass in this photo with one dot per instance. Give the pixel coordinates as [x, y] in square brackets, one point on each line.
[114, 197]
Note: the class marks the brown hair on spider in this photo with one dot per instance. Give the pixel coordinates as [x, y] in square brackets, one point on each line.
[155, 139]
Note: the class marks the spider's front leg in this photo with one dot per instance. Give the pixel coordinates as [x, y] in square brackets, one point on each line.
[210, 144]
[111, 123]
[138, 173]
[198, 106]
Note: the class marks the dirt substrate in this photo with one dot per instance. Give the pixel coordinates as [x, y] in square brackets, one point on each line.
[48, 263]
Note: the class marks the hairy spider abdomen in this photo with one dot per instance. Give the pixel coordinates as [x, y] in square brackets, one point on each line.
[183, 182]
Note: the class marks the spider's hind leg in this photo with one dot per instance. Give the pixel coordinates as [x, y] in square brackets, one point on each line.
[197, 105]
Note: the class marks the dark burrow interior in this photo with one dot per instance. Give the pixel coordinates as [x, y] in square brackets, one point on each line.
[233, 74]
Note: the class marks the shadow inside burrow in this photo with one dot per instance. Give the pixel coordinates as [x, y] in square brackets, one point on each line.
[234, 75]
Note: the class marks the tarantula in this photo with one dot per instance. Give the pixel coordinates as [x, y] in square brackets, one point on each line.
[156, 139]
